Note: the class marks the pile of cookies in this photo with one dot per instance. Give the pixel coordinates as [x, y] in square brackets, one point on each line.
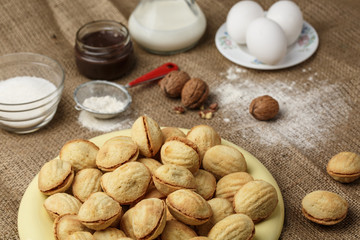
[156, 184]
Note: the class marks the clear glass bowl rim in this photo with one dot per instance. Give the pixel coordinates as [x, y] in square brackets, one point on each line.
[58, 88]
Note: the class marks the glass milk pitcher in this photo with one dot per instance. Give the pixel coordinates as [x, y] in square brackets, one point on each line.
[167, 26]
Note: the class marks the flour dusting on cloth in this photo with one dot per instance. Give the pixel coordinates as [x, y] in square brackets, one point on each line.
[301, 120]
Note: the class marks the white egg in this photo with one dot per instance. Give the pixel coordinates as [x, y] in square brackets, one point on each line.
[288, 15]
[239, 18]
[266, 41]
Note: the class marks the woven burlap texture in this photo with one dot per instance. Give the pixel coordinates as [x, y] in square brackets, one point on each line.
[294, 150]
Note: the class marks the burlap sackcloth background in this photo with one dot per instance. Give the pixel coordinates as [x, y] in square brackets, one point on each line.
[295, 150]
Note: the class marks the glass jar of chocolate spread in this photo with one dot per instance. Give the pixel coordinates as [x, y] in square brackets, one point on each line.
[103, 50]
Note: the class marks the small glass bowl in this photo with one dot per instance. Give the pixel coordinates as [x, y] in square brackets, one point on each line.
[100, 88]
[28, 117]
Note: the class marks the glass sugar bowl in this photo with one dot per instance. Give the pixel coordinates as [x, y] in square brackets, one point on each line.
[167, 26]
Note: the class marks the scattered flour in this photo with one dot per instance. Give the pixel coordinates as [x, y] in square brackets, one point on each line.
[301, 120]
[124, 121]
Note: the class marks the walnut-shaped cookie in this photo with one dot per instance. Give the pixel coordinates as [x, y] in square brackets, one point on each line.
[169, 178]
[204, 137]
[150, 163]
[80, 235]
[182, 152]
[146, 133]
[324, 207]
[205, 184]
[169, 132]
[257, 199]
[99, 211]
[147, 219]
[80, 153]
[109, 234]
[128, 183]
[115, 152]
[344, 167]
[86, 182]
[188, 207]
[228, 185]
[67, 224]
[60, 204]
[175, 230]
[221, 160]
[154, 193]
[221, 208]
[55, 176]
[233, 227]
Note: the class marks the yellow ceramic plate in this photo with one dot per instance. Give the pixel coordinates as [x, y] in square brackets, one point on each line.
[35, 224]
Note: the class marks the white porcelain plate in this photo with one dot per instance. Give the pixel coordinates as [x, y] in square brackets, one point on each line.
[298, 52]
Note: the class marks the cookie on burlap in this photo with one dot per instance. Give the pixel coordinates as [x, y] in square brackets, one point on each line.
[324, 207]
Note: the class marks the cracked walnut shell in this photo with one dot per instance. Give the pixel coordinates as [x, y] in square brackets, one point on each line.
[194, 93]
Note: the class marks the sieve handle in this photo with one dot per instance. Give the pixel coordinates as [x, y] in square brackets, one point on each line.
[155, 74]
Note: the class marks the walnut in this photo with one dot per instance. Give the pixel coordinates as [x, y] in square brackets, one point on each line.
[194, 93]
[173, 83]
[179, 110]
[264, 108]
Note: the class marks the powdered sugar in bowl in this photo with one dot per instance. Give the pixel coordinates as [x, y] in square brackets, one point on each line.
[30, 90]
[102, 99]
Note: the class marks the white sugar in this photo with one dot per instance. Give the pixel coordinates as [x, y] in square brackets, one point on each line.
[24, 89]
